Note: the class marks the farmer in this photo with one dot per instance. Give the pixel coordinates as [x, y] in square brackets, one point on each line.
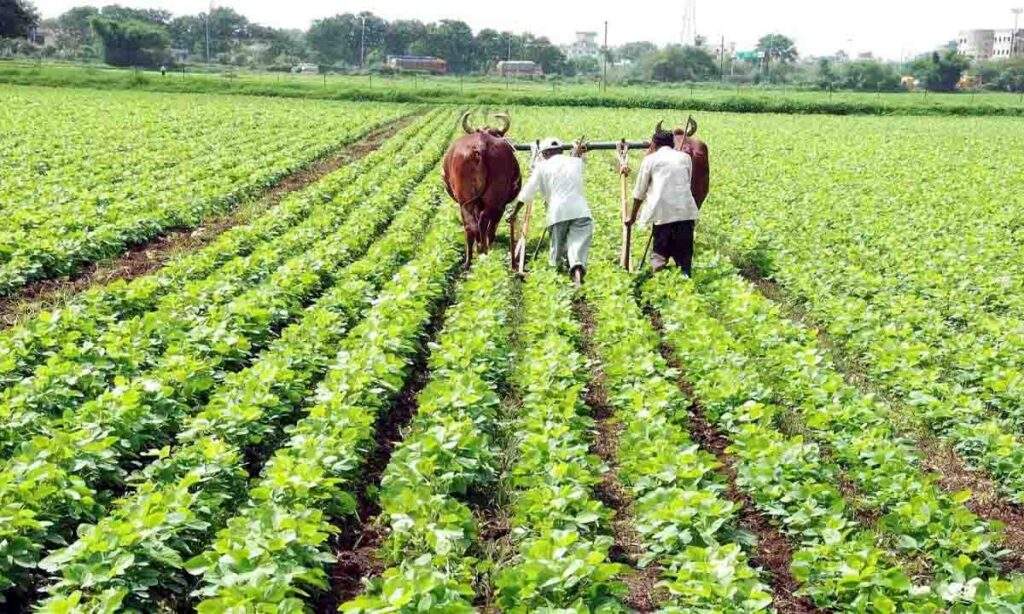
[559, 179]
[664, 185]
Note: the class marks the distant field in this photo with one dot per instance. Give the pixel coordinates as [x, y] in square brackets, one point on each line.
[87, 174]
[710, 97]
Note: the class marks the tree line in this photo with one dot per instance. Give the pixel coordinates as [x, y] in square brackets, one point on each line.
[124, 36]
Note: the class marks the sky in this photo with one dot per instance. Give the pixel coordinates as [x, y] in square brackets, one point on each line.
[889, 28]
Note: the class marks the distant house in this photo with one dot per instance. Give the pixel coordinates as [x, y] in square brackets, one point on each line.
[585, 45]
[305, 67]
[519, 68]
[418, 63]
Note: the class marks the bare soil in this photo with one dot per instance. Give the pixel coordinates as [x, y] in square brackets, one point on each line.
[147, 257]
[642, 595]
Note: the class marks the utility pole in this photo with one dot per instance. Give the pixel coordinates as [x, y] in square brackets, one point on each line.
[721, 60]
[362, 44]
[606, 56]
[208, 14]
[1013, 34]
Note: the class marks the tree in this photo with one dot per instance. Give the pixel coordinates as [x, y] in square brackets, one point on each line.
[17, 18]
[869, 75]
[335, 39]
[777, 48]
[131, 43]
[636, 51]
[679, 63]
[74, 31]
[450, 40]
[1004, 75]
[826, 75]
[116, 12]
[940, 71]
[399, 35]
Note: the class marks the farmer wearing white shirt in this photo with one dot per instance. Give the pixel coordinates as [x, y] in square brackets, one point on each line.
[664, 185]
[559, 179]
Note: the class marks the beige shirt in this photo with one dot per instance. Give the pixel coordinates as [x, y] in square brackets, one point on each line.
[664, 185]
[559, 179]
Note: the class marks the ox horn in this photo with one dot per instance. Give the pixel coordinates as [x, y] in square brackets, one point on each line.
[658, 127]
[691, 126]
[506, 122]
[465, 122]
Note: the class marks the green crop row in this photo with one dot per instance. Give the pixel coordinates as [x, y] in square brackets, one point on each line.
[193, 280]
[686, 525]
[448, 450]
[857, 430]
[276, 547]
[192, 488]
[558, 528]
[839, 561]
[48, 486]
[52, 227]
[131, 348]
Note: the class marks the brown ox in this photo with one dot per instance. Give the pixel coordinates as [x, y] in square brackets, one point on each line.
[700, 179]
[482, 175]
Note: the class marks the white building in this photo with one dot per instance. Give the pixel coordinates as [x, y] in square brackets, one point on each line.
[584, 45]
[1008, 45]
[990, 44]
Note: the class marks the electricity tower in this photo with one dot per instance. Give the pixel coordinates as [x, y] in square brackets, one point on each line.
[689, 36]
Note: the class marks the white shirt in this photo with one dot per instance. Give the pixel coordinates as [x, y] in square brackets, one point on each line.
[559, 179]
[664, 186]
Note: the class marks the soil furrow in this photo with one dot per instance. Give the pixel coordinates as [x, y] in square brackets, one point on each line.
[773, 553]
[150, 256]
[643, 594]
[356, 547]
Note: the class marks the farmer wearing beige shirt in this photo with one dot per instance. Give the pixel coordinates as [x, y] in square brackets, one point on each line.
[559, 179]
[663, 189]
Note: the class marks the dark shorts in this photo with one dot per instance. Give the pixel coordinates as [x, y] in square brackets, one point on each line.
[674, 241]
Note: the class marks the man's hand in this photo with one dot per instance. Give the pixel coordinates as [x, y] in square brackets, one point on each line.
[624, 170]
[579, 148]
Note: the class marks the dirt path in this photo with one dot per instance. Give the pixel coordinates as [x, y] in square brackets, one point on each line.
[150, 256]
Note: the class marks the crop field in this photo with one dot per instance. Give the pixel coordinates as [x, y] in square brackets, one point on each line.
[87, 174]
[321, 411]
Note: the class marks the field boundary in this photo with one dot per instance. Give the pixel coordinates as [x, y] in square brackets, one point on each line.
[150, 256]
[727, 103]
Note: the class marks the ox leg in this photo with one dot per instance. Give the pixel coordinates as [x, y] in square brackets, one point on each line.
[468, 229]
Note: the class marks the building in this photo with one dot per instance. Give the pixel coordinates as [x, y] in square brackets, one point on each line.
[418, 63]
[1008, 45]
[519, 68]
[585, 45]
[990, 44]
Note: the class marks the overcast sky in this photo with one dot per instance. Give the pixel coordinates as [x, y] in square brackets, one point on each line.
[889, 28]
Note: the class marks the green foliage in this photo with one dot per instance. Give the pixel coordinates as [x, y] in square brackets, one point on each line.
[940, 71]
[131, 42]
[777, 48]
[17, 17]
[679, 63]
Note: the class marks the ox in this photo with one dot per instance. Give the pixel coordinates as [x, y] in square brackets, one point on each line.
[700, 179]
[481, 174]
